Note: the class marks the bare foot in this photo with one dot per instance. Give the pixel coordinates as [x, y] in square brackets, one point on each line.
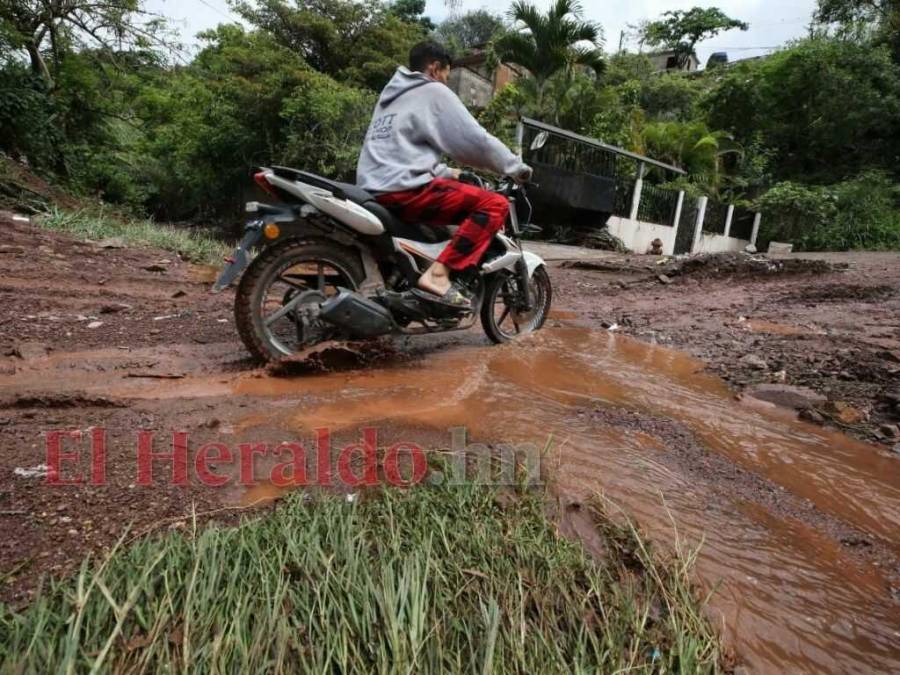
[436, 279]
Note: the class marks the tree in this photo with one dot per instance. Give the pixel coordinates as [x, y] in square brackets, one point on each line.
[693, 147]
[412, 11]
[463, 32]
[883, 14]
[828, 108]
[33, 25]
[359, 41]
[546, 44]
[680, 30]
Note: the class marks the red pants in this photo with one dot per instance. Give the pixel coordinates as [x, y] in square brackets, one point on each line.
[480, 215]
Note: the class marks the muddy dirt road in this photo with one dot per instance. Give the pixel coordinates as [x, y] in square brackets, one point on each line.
[798, 521]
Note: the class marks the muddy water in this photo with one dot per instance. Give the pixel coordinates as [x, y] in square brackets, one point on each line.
[790, 598]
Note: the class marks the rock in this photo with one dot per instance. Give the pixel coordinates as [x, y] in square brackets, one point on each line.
[780, 247]
[155, 267]
[890, 355]
[179, 294]
[813, 416]
[891, 431]
[95, 324]
[896, 449]
[891, 397]
[846, 413]
[111, 242]
[786, 395]
[754, 361]
[663, 279]
[112, 309]
[29, 350]
[750, 248]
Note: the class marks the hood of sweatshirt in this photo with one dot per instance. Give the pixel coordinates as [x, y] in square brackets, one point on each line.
[404, 80]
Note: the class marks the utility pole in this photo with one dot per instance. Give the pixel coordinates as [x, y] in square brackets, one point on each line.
[621, 40]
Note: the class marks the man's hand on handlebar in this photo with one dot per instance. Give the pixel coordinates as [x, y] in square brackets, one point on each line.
[523, 175]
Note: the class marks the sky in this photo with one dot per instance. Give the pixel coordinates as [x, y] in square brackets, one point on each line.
[772, 22]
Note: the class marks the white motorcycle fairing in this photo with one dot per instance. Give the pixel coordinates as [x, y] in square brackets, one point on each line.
[351, 214]
[365, 222]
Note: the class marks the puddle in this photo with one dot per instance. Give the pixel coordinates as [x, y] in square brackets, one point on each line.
[791, 598]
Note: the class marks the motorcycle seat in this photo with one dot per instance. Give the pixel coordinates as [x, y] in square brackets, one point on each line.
[394, 226]
[340, 190]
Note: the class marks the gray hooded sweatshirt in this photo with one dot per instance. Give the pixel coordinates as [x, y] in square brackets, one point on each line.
[417, 121]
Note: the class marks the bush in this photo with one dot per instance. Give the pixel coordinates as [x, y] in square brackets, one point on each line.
[861, 213]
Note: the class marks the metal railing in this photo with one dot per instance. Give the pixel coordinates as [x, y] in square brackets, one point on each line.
[624, 196]
[657, 205]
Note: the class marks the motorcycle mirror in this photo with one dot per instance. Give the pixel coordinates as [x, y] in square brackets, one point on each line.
[540, 140]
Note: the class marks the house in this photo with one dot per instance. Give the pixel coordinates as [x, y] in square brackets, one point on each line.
[667, 61]
[475, 83]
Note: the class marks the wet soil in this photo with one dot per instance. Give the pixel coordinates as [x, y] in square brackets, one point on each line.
[796, 522]
[828, 322]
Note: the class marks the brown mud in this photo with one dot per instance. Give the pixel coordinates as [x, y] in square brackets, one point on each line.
[797, 524]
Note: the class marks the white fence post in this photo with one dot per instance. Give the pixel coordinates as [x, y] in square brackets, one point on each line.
[728, 218]
[756, 220]
[698, 228]
[638, 188]
[679, 207]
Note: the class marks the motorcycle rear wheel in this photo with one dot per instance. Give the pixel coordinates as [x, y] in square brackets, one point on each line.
[501, 319]
[278, 275]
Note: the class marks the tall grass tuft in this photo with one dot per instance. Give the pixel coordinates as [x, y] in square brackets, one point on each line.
[191, 244]
[426, 580]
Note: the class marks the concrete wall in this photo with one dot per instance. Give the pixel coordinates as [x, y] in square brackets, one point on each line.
[638, 235]
[716, 243]
[473, 89]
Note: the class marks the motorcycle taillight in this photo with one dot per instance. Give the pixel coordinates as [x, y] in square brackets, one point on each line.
[263, 182]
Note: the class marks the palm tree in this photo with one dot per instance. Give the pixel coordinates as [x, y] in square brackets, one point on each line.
[546, 44]
[692, 146]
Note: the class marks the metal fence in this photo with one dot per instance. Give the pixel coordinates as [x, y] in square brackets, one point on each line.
[566, 153]
[742, 223]
[657, 205]
[714, 220]
[624, 195]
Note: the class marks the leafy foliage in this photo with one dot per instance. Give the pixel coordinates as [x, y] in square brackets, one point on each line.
[463, 32]
[356, 41]
[546, 44]
[681, 30]
[828, 108]
[90, 96]
[859, 213]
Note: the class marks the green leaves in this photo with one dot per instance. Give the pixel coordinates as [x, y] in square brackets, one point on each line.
[548, 43]
[681, 30]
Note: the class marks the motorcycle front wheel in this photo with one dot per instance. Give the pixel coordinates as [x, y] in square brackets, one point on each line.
[502, 317]
[275, 303]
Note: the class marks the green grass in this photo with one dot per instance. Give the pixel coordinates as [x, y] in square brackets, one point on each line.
[427, 580]
[193, 245]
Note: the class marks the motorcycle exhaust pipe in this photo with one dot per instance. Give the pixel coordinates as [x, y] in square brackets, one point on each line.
[358, 316]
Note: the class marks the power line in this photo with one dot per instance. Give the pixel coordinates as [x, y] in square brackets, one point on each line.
[218, 11]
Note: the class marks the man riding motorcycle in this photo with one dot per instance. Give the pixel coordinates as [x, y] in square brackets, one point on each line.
[417, 121]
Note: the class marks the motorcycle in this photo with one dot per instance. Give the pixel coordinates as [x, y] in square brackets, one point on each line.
[334, 264]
